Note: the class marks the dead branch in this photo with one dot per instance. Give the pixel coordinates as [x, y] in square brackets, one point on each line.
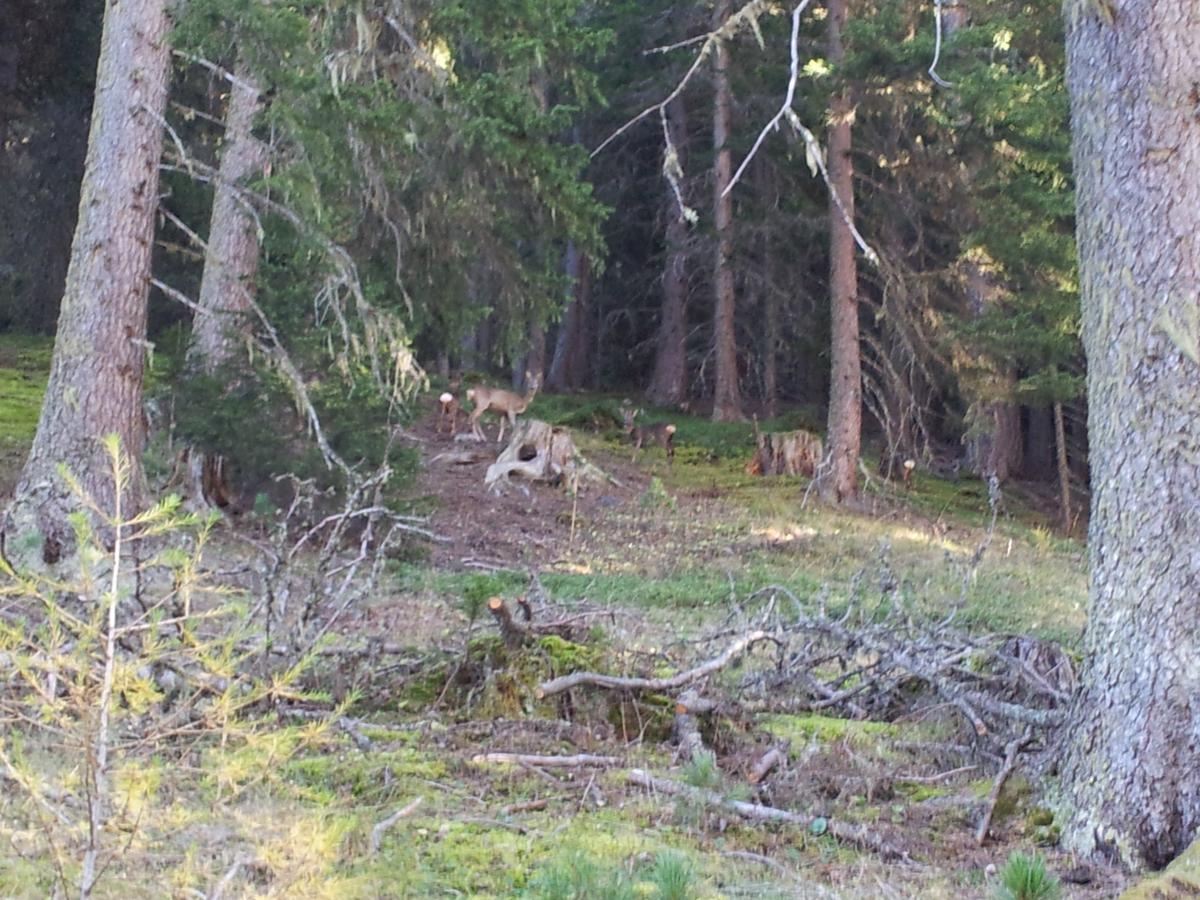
[231, 873]
[613, 682]
[579, 760]
[858, 835]
[381, 829]
[361, 741]
[527, 806]
[1010, 763]
[768, 761]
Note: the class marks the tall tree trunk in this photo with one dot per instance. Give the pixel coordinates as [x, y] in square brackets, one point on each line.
[1131, 781]
[840, 482]
[227, 285]
[572, 346]
[727, 396]
[1064, 469]
[996, 447]
[530, 365]
[95, 386]
[231, 261]
[668, 384]
[771, 351]
[1037, 460]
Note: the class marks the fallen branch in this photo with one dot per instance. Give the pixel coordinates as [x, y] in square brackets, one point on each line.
[614, 682]
[1010, 763]
[231, 873]
[381, 829]
[851, 834]
[546, 762]
[527, 806]
[768, 761]
[361, 741]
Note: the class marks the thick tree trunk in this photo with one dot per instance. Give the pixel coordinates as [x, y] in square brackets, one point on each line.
[771, 351]
[1038, 461]
[227, 287]
[996, 447]
[572, 347]
[727, 395]
[95, 386]
[1131, 778]
[840, 482]
[531, 365]
[668, 384]
[231, 260]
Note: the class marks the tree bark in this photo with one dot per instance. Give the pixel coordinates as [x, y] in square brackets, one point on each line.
[1064, 470]
[231, 260]
[996, 448]
[727, 396]
[840, 482]
[771, 350]
[668, 384]
[1038, 461]
[95, 386]
[570, 363]
[1131, 781]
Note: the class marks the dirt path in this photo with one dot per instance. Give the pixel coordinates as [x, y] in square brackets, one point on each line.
[524, 525]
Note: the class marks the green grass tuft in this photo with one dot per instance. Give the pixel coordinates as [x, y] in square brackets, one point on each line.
[1025, 877]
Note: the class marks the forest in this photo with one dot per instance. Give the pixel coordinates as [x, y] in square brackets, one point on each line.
[599, 449]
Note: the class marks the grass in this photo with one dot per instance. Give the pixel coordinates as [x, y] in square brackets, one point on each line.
[24, 369]
[1025, 877]
[708, 536]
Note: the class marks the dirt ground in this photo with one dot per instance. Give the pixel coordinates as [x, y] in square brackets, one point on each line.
[532, 526]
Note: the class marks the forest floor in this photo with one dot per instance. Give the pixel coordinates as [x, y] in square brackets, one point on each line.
[652, 560]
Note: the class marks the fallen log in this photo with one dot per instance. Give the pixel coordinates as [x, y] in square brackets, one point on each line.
[615, 682]
[579, 760]
[858, 835]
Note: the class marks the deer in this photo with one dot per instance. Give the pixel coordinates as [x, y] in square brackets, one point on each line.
[662, 433]
[505, 404]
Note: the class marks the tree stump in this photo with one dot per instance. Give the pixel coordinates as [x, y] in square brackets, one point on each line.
[786, 453]
[540, 452]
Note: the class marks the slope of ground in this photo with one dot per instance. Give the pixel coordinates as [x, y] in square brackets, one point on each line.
[647, 563]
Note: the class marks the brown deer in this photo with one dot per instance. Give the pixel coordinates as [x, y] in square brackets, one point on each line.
[662, 433]
[505, 404]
